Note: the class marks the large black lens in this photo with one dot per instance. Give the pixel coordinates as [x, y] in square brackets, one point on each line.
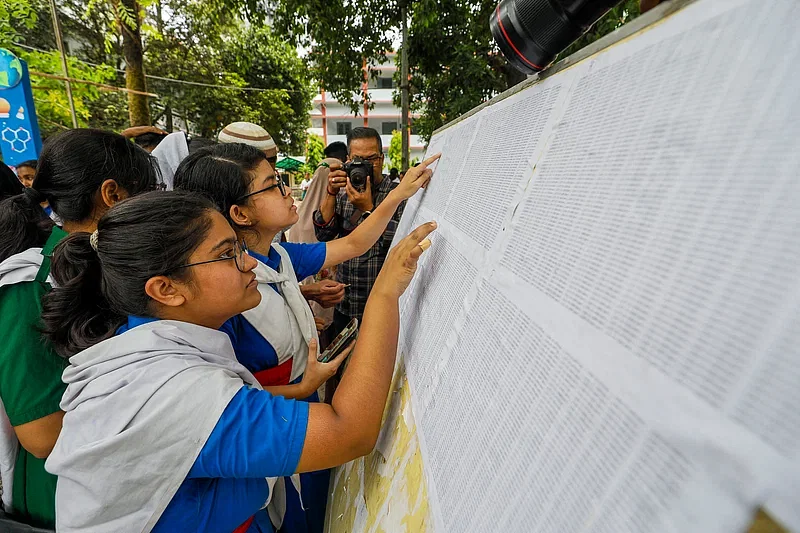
[531, 33]
[359, 174]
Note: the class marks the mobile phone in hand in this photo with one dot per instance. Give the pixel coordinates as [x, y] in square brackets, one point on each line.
[342, 341]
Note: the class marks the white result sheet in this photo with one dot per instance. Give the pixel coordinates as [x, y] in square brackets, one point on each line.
[604, 335]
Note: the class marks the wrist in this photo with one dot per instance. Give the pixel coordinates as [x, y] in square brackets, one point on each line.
[330, 192]
[385, 292]
[304, 389]
[394, 198]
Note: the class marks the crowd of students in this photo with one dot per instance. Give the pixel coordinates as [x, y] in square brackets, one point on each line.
[158, 370]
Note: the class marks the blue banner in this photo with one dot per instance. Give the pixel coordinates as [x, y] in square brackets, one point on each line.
[19, 130]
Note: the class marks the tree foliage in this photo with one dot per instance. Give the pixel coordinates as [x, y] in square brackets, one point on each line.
[315, 152]
[210, 42]
[395, 152]
[455, 64]
[339, 35]
[15, 15]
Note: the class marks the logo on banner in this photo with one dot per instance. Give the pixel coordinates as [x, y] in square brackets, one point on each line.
[10, 69]
[19, 130]
[18, 138]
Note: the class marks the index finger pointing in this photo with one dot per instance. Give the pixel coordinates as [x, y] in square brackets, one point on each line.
[430, 160]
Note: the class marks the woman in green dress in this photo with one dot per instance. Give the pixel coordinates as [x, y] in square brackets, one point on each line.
[81, 173]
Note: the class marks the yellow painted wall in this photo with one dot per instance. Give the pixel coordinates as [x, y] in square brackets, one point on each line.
[383, 492]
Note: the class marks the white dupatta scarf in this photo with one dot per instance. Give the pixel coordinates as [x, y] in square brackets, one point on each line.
[284, 319]
[139, 409]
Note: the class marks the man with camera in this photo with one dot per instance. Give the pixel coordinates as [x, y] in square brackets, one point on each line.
[354, 190]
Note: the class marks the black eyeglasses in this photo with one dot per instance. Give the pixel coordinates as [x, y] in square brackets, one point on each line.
[278, 184]
[370, 159]
[239, 249]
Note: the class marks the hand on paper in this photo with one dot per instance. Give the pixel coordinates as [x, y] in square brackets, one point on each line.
[416, 178]
[401, 262]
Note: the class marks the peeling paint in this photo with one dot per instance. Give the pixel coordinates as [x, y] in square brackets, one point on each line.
[386, 488]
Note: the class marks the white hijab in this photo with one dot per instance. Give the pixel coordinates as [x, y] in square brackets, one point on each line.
[170, 152]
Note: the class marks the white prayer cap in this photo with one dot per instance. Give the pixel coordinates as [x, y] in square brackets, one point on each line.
[249, 133]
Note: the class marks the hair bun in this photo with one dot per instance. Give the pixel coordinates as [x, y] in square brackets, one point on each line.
[33, 196]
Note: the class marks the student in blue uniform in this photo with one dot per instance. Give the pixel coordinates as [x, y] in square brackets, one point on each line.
[164, 429]
[272, 339]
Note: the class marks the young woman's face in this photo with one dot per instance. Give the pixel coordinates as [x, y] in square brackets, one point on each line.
[26, 175]
[271, 210]
[219, 290]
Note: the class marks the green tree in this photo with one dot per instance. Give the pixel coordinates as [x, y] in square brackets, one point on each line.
[129, 19]
[396, 151]
[15, 16]
[455, 64]
[340, 35]
[447, 81]
[50, 95]
[266, 61]
[201, 41]
[32, 25]
[315, 152]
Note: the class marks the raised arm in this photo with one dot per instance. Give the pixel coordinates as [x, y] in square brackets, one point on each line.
[370, 230]
[349, 427]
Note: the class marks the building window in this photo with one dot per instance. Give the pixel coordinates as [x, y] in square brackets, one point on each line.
[385, 83]
[388, 127]
[343, 128]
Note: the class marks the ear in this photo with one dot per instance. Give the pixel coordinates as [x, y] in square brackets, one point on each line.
[165, 291]
[111, 193]
[240, 215]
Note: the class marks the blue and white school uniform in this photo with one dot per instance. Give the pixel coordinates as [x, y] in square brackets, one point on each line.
[271, 341]
[166, 431]
[257, 434]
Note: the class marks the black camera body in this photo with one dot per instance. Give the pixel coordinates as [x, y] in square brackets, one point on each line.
[359, 171]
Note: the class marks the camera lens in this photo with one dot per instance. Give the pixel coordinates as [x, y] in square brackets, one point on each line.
[359, 175]
[531, 33]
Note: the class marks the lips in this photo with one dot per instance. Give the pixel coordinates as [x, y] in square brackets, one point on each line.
[253, 282]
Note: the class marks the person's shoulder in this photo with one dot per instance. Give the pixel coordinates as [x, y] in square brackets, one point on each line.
[21, 296]
[300, 249]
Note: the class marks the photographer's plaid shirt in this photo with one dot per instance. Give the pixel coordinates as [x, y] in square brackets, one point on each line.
[359, 272]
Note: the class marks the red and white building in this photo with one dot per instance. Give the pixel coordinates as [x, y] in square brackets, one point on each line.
[332, 120]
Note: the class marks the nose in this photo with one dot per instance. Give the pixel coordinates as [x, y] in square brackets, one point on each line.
[249, 262]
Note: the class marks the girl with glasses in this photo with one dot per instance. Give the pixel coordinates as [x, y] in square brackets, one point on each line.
[164, 429]
[81, 173]
[272, 340]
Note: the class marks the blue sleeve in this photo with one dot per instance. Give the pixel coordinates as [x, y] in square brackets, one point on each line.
[307, 259]
[258, 435]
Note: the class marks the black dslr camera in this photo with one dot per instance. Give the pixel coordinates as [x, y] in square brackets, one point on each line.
[359, 171]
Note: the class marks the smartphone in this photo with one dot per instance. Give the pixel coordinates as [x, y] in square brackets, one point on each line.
[342, 341]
